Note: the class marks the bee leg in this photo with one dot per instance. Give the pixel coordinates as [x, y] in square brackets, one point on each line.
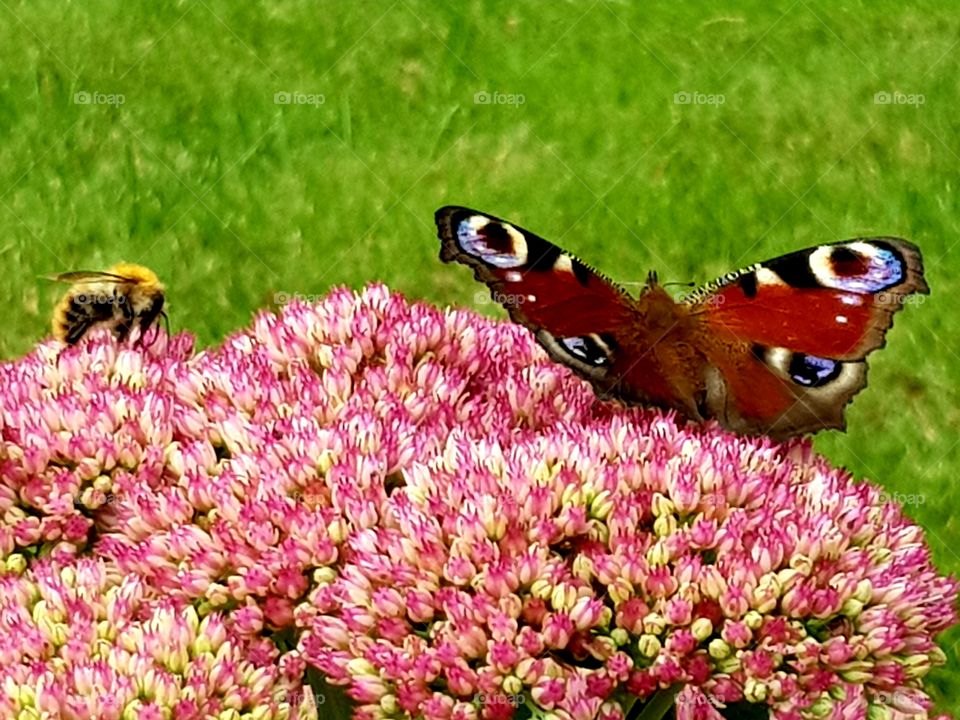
[121, 331]
[148, 316]
[77, 330]
[124, 326]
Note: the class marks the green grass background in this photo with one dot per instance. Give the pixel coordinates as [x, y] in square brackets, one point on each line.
[232, 197]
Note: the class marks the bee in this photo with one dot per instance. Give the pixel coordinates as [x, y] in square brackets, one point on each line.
[119, 298]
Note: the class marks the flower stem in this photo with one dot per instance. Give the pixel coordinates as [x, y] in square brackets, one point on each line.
[659, 704]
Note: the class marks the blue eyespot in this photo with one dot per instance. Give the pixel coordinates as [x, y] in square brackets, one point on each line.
[865, 273]
[492, 242]
[813, 371]
[591, 349]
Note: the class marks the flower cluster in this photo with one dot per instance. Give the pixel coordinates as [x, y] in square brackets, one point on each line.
[443, 521]
[85, 641]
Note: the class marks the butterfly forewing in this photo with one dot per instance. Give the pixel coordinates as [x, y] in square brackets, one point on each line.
[833, 301]
[577, 314]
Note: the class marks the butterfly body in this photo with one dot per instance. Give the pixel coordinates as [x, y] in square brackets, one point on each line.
[777, 348]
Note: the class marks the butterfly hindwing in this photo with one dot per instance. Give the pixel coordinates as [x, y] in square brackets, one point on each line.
[790, 336]
[758, 390]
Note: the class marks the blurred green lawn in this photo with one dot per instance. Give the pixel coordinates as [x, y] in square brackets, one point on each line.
[206, 175]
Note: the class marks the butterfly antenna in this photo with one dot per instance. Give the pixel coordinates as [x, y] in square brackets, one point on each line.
[652, 279]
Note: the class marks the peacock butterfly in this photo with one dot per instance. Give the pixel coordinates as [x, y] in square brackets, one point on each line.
[777, 348]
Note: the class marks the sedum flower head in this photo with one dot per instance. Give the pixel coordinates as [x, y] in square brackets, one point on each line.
[84, 641]
[451, 526]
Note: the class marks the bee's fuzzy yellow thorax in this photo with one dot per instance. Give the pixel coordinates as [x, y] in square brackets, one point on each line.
[137, 273]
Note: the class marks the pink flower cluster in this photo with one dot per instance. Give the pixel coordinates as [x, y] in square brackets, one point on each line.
[447, 523]
[85, 641]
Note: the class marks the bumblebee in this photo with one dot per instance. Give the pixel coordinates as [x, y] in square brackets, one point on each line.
[123, 296]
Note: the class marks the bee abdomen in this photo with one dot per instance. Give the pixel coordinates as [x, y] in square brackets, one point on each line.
[81, 311]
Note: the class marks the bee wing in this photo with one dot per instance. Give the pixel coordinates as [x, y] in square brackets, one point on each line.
[80, 276]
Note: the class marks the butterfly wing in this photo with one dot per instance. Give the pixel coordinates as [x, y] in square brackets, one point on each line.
[582, 319]
[786, 340]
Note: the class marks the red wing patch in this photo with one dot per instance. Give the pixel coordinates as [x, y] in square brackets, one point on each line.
[827, 323]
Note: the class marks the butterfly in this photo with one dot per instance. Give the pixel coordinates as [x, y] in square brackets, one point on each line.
[777, 348]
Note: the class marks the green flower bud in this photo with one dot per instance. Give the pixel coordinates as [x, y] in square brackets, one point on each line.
[719, 649]
[754, 691]
[649, 646]
[701, 628]
[654, 623]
